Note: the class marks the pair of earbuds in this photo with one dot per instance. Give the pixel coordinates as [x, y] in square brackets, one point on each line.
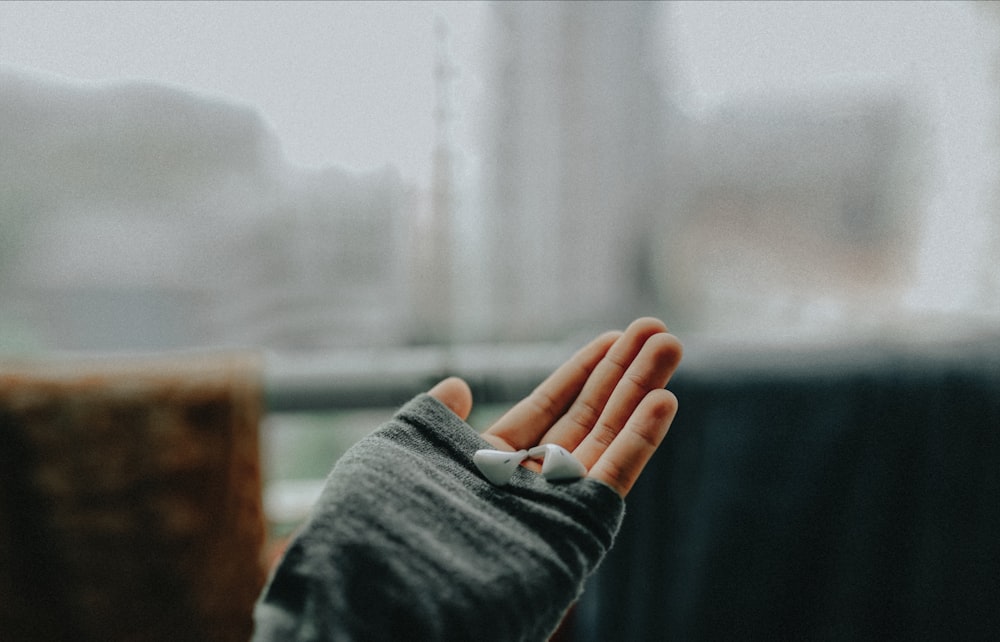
[558, 464]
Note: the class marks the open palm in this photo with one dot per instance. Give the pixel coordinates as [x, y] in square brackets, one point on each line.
[607, 404]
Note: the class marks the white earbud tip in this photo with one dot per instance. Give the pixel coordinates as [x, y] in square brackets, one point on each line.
[540, 451]
[561, 465]
[498, 466]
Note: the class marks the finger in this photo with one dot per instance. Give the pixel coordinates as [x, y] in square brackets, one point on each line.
[620, 465]
[651, 370]
[586, 409]
[455, 394]
[524, 425]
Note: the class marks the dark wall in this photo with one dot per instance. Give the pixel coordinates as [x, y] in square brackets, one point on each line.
[822, 494]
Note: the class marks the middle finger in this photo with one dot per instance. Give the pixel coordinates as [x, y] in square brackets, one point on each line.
[583, 414]
[650, 371]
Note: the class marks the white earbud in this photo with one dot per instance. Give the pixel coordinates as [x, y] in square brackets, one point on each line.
[498, 466]
[559, 463]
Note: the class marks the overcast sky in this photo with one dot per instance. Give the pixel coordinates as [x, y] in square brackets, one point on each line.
[341, 82]
[352, 83]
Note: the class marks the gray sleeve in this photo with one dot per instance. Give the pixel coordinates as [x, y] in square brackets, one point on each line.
[408, 540]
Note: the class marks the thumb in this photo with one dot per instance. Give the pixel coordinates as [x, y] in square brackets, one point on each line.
[455, 394]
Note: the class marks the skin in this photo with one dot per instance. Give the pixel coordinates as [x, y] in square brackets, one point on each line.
[607, 404]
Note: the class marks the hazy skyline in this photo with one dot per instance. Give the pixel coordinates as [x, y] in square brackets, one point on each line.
[351, 84]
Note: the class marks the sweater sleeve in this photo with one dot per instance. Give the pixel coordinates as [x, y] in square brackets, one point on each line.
[408, 540]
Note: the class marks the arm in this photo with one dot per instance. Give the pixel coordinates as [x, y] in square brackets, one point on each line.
[409, 540]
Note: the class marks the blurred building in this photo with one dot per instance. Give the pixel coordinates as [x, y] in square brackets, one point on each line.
[142, 217]
[431, 242]
[573, 166]
[113, 198]
[326, 268]
[795, 211]
[604, 201]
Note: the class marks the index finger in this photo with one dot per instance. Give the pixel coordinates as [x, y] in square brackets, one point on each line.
[590, 406]
[524, 425]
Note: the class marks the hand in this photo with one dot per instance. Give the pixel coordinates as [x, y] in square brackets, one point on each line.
[606, 404]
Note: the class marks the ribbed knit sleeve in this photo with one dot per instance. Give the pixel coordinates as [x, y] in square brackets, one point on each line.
[409, 541]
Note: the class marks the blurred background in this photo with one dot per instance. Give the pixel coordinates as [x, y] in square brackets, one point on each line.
[303, 176]
[378, 194]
